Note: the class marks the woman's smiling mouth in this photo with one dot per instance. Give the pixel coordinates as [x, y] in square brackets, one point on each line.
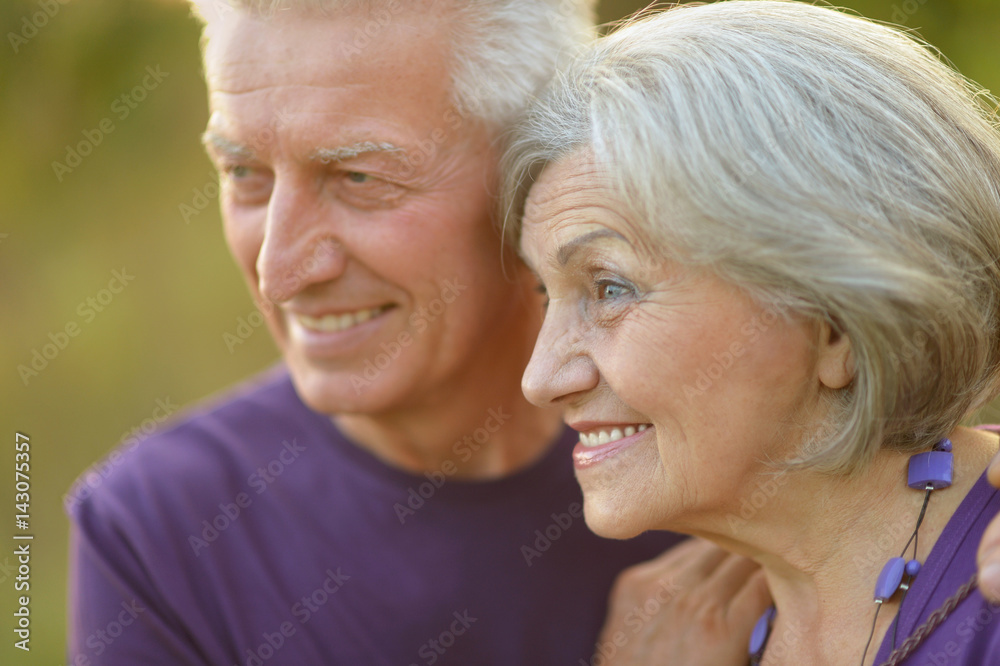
[599, 442]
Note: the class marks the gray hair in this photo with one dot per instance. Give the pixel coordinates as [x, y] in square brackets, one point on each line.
[814, 158]
[504, 50]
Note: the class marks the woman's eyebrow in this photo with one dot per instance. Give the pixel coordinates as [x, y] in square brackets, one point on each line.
[564, 253]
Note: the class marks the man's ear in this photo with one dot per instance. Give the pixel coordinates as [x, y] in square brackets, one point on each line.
[836, 357]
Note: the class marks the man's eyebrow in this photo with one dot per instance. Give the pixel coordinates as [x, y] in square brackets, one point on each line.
[341, 153]
[567, 250]
[226, 146]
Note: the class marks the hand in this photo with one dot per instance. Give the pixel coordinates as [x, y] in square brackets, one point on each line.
[989, 548]
[695, 605]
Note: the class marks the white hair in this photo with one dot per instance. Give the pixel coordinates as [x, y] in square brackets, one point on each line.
[807, 154]
[504, 51]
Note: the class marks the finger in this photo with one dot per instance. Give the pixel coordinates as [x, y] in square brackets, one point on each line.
[994, 471]
[748, 605]
[988, 558]
[696, 567]
[731, 576]
[673, 559]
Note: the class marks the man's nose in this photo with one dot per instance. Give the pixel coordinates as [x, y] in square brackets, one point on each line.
[301, 244]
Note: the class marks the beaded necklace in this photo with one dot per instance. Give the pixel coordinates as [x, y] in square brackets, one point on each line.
[928, 471]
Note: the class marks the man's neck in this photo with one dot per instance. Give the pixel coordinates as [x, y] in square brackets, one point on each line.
[492, 438]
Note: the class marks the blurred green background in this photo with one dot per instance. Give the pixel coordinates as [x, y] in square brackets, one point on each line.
[120, 209]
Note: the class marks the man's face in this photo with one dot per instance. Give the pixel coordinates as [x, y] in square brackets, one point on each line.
[356, 199]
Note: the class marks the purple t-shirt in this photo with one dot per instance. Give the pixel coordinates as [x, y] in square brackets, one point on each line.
[254, 533]
[970, 636]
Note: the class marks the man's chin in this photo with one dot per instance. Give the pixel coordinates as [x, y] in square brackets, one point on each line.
[339, 392]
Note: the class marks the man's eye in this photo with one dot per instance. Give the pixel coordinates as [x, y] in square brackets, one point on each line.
[237, 171]
[363, 190]
[540, 288]
[247, 184]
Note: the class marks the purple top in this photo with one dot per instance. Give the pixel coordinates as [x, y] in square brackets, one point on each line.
[254, 533]
[970, 636]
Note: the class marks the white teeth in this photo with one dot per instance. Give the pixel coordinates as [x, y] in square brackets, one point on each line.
[604, 437]
[333, 323]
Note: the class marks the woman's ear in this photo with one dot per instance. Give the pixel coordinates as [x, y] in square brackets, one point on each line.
[835, 358]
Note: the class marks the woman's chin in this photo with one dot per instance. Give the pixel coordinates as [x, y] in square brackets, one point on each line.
[610, 523]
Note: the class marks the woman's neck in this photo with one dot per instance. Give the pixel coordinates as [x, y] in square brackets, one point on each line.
[823, 541]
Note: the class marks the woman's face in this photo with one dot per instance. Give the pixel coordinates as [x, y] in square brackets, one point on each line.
[680, 384]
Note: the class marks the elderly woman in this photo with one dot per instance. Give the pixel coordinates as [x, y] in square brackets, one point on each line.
[768, 233]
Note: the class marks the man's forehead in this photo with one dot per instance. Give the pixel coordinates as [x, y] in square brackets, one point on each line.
[407, 58]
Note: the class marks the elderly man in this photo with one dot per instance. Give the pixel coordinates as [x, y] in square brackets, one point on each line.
[387, 496]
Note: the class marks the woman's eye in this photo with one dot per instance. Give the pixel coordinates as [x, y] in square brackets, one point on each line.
[606, 290]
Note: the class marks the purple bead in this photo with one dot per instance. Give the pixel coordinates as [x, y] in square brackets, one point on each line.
[912, 568]
[890, 578]
[930, 468]
[758, 639]
[943, 445]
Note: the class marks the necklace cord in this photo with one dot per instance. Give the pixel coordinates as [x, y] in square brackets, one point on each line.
[914, 538]
[870, 634]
